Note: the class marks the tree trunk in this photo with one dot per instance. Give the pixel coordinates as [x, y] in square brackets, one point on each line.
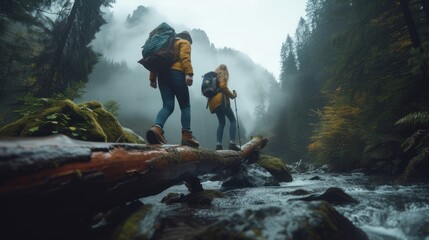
[49, 79]
[52, 177]
[425, 5]
[414, 35]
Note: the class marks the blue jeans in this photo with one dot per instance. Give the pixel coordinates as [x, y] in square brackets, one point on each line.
[172, 84]
[221, 112]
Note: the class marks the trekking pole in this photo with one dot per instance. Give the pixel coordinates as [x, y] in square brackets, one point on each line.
[236, 114]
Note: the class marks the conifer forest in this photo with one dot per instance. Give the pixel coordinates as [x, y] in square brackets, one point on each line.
[349, 109]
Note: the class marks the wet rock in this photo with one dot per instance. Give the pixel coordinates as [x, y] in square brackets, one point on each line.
[193, 184]
[121, 222]
[251, 175]
[300, 167]
[332, 195]
[203, 198]
[417, 168]
[299, 192]
[140, 224]
[172, 198]
[324, 168]
[179, 227]
[416, 154]
[315, 178]
[276, 167]
[300, 220]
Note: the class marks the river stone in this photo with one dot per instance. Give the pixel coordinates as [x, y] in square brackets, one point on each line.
[332, 195]
[250, 175]
[203, 198]
[276, 167]
[299, 220]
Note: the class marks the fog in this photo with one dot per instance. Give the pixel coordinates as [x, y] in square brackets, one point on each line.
[120, 41]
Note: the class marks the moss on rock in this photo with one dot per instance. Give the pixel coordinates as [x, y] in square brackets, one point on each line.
[107, 121]
[129, 228]
[276, 167]
[87, 121]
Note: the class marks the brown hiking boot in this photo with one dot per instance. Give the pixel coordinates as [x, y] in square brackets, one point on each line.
[188, 139]
[235, 147]
[155, 135]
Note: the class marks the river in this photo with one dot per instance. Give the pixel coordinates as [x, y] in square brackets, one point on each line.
[385, 210]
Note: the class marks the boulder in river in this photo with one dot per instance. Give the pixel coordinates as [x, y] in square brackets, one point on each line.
[276, 167]
[332, 195]
[250, 175]
[300, 220]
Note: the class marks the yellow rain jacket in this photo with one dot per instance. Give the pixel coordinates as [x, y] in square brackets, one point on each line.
[216, 101]
[182, 48]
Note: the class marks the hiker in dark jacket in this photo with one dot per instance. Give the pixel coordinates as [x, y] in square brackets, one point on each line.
[173, 83]
[221, 105]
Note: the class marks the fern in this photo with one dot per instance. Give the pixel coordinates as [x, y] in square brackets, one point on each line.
[112, 106]
[417, 140]
[417, 119]
[31, 104]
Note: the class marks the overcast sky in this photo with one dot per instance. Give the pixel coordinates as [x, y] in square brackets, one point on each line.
[255, 27]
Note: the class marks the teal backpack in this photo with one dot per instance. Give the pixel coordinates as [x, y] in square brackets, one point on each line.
[158, 53]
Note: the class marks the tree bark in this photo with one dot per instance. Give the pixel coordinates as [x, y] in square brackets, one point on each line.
[49, 79]
[52, 177]
[414, 35]
[425, 5]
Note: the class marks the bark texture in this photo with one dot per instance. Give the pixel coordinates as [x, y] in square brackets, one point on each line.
[56, 176]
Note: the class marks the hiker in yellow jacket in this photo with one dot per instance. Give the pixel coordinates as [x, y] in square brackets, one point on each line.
[173, 83]
[221, 105]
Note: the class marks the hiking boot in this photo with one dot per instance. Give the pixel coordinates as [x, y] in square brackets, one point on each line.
[155, 135]
[188, 139]
[233, 146]
[219, 147]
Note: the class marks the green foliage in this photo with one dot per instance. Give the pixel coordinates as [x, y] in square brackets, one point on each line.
[58, 123]
[30, 105]
[417, 146]
[417, 119]
[357, 69]
[49, 44]
[337, 140]
[419, 58]
[112, 106]
[75, 91]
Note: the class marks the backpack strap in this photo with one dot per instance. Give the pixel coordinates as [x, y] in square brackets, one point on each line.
[207, 106]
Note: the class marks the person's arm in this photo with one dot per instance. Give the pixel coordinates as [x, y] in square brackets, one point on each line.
[185, 58]
[152, 79]
[224, 88]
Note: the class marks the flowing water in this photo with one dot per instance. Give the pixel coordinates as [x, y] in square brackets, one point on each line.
[385, 210]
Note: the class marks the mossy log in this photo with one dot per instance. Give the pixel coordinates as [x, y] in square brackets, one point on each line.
[57, 176]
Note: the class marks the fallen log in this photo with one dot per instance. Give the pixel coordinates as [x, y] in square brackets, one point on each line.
[56, 176]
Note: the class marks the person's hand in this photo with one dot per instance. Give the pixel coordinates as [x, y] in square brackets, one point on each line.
[153, 84]
[189, 80]
[234, 94]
